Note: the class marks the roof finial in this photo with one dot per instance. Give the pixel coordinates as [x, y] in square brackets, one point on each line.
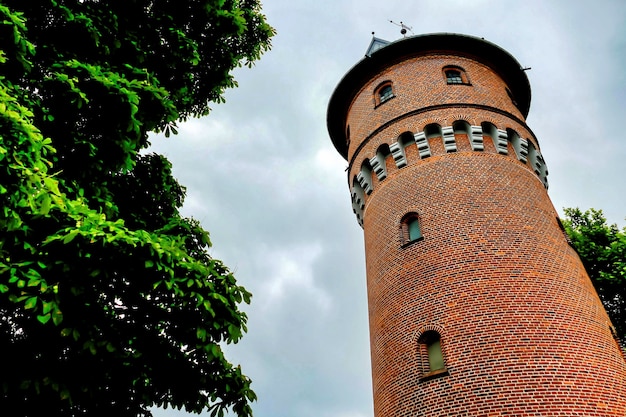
[403, 28]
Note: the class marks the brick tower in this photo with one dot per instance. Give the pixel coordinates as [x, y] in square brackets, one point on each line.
[477, 304]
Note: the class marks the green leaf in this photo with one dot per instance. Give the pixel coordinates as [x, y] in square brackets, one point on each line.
[57, 317]
[70, 236]
[44, 318]
[201, 333]
[47, 306]
[45, 204]
[30, 303]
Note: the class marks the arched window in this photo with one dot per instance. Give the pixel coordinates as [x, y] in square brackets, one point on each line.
[433, 130]
[490, 130]
[413, 226]
[383, 93]
[455, 75]
[432, 342]
[461, 127]
[410, 229]
[431, 355]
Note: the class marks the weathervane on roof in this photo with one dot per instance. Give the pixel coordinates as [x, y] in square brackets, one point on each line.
[403, 28]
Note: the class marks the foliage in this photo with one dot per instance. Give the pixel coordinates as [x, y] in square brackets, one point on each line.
[109, 301]
[602, 249]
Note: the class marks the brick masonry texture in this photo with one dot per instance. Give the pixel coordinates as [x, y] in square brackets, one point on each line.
[419, 83]
[522, 330]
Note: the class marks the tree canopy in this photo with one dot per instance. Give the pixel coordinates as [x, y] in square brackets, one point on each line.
[109, 300]
[602, 249]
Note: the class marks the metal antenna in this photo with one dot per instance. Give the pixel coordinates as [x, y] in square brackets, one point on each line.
[403, 28]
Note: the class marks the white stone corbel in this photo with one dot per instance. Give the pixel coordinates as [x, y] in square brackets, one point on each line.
[358, 203]
[378, 166]
[476, 138]
[365, 180]
[397, 151]
[501, 142]
[543, 169]
[422, 145]
[448, 139]
[358, 198]
[523, 150]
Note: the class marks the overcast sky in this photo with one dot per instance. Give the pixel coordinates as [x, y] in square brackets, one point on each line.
[264, 178]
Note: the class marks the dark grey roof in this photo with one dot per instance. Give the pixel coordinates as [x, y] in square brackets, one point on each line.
[382, 55]
[375, 45]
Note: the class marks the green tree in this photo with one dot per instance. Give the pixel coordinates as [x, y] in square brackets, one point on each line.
[109, 301]
[602, 249]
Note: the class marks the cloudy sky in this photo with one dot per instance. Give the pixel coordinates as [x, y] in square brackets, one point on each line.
[263, 177]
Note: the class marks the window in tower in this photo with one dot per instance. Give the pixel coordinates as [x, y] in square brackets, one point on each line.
[384, 92]
[410, 230]
[455, 75]
[431, 355]
[414, 229]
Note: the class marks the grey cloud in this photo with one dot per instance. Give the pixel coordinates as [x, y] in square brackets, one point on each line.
[264, 179]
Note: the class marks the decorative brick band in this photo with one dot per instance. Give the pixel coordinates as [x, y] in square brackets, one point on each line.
[525, 152]
[439, 107]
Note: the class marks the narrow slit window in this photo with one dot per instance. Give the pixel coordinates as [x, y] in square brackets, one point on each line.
[414, 229]
[435, 356]
[410, 229]
[431, 355]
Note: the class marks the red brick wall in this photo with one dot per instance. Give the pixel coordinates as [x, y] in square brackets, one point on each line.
[418, 83]
[522, 330]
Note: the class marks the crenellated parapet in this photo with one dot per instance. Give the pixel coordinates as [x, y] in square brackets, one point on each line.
[373, 169]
